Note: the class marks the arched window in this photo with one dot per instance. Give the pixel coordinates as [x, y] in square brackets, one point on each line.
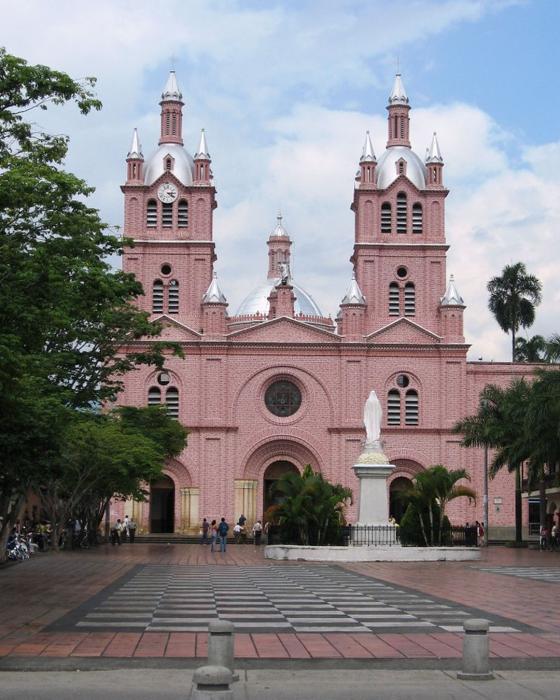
[183, 214]
[411, 406]
[174, 123]
[167, 214]
[151, 213]
[157, 297]
[409, 299]
[386, 217]
[401, 212]
[173, 297]
[154, 396]
[172, 402]
[394, 299]
[168, 164]
[417, 223]
[393, 407]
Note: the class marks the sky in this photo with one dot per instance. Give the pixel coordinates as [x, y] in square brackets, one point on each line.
[286, 91]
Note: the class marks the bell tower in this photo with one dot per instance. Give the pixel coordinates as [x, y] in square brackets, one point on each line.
[169, 203]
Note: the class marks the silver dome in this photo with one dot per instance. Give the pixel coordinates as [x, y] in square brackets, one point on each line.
[257, 300]
[387, 170]
[182, 167]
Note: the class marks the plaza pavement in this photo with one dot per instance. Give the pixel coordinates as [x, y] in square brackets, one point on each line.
[39, 600]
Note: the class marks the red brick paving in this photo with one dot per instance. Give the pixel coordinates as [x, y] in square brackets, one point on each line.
[37, 592]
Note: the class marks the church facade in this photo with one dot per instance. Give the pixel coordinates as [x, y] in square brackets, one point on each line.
[278, 384]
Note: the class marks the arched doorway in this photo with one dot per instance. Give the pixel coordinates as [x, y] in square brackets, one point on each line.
[273, 472]
[398, 502]
[162, 505]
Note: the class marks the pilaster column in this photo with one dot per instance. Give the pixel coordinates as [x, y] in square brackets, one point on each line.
[190, 497]
[246, 499]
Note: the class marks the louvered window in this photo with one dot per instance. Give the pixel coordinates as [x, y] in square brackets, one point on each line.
[401, 212]
[409, 299]
[172, 402]
[394, 299]
[157, 297]
[385, 217]
[154, 396]
[417, 223]
[173, 297]
[151, 213]
[393, 407]
[183, 214]
[167, 215]
[411, 406]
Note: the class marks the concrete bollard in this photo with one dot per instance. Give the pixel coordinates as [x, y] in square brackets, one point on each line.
[220, 644]
[212, 683]
[476, 666]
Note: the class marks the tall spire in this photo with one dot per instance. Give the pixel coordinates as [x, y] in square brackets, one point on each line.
[354, 293]
[279, 229]
[214, 294]
[202, 153]
[135, 147]
[452, 296]
[398, 94]
[368, 155]
[433, 155]
[171, 90]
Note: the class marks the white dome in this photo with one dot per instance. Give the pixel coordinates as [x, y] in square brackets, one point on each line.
[183, 164]
[387, 169]
[257, 300]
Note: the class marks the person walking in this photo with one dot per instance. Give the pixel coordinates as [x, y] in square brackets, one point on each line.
[257, 533]
[124, 528]
[131, 530]
[204, 531]
[213, 534]
[223, 528]
[116, 533]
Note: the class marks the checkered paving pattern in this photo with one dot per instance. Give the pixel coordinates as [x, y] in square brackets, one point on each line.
[265, 598]
[549, 574]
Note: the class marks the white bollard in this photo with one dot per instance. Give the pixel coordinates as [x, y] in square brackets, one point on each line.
[220, 644]
[212, 683]
[476, 666]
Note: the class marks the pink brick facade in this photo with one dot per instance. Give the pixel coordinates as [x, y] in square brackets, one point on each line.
[401, 326]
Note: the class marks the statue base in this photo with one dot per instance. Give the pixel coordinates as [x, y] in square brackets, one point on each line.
[372, 469]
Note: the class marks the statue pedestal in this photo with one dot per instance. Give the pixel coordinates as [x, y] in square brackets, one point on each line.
[372, 469]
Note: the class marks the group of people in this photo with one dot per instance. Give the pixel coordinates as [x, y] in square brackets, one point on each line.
[123, 530]
[216, 534]
[549, 538]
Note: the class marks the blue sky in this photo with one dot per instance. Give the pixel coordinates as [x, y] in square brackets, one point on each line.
[286, 91]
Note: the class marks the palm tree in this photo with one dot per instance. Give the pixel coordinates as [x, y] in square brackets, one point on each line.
[430, 493]
[513, 298]
[500, 424]
[553, 348]
[534, 349]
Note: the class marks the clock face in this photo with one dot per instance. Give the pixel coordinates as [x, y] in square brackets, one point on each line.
[167, 192]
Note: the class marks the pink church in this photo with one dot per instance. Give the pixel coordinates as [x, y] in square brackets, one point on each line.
[277, 384]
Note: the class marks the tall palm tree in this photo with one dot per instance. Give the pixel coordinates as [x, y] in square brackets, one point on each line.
[553, 348]
[500, 424]
[513, 297]
[534, 349]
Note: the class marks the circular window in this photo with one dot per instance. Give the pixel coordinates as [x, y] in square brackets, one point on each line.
[283, 398]
[403, 380]
[166, 269]
[163, 378]
[402, 272]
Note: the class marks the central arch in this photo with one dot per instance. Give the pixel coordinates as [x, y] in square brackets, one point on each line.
[270, 477]
[162, 505]
[401, 481]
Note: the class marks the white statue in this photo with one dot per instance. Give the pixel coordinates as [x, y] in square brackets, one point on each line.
[372, 419]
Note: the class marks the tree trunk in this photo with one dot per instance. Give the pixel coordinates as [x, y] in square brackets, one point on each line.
[518, 507]
[513, 344]
[11, 515]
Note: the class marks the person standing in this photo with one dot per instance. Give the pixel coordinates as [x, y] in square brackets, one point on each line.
[131, 530]
[124, 529]
[257, 533]
[116, 533]
[204, 531]
[213, 534]
[223, 528]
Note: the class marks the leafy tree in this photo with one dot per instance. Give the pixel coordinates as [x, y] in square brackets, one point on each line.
[532, 350]
[311, 509]
[499, 424]
[429, 496]
[64, 313]
[553, 348]
[513, 297]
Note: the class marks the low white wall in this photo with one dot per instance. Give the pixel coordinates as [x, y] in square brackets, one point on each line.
[344, 554]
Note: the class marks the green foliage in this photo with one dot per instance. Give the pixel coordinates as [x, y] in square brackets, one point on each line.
[311, 508]
[513, 297]
[410, 528]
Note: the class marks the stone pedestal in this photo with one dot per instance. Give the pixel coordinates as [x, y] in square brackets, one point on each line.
[373, 469]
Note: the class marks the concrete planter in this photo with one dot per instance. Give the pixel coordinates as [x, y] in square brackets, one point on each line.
[350, 554]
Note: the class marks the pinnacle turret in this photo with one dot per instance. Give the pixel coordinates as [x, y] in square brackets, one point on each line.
[202, 153]
[279, 229]
[433, 154]
[452, 296]
[171, 90]
[135, 147]
[354, 293]
[368, 155]
[398, 94]
[214, 294]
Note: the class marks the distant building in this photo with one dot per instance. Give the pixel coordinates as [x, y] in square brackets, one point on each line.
[279, 384]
